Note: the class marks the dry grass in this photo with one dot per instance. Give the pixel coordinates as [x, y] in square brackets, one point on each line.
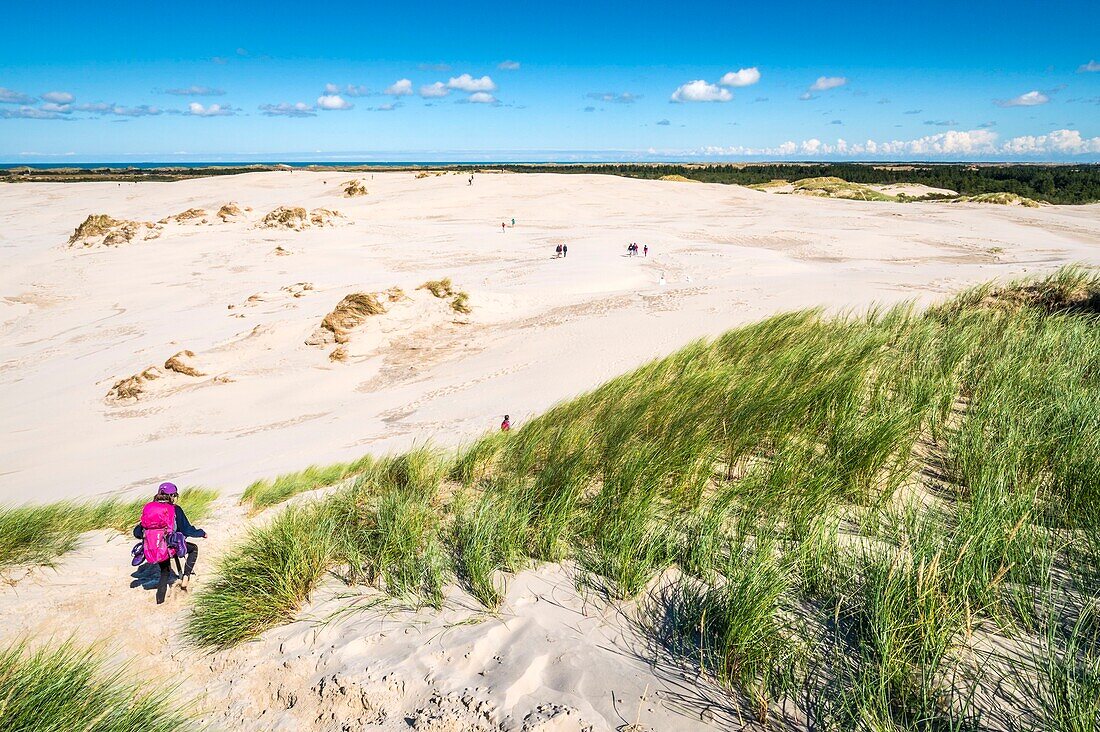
[180, 363]
[440, 288]
[133, 387]
[285, 217]
[354, 188]
[348, 314]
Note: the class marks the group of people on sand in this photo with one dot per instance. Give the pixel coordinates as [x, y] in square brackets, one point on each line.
[632, 250]
[561, 250]
[164, 531]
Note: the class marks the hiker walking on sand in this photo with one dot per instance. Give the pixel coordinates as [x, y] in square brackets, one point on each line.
[565, 250]
[513, 222]
[502, 226]
[557, 251]
[162, 531]
[506, 424]
[645, 251]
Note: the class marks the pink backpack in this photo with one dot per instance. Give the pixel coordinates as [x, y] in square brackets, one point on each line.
[158, 519]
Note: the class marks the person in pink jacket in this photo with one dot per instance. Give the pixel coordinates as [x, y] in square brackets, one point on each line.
[161, 519]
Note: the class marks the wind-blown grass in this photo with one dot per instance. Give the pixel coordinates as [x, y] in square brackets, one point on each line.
[864, 490]
[37, 535]
[66, 688]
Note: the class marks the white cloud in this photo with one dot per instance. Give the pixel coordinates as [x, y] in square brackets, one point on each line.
[195, 91]
[434, 91]
[10, 96]
[806, 96]
[953, 144]
[58, 97]
[482, 98]
[330, 102]
[508, 65]
[54, 107]
[214, 110]
[743, 77]
[1030, 99]
[824, 83]
[700, 91]
[468, 83]
[1065, 142]
[400, 88]
[1090, 66]
[285, 109]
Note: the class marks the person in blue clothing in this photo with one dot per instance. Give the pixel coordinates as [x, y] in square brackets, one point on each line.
[168, 493]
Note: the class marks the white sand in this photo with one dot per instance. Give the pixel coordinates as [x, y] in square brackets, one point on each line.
[73, 322]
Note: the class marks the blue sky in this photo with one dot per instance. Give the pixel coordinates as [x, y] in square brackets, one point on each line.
[549, 81]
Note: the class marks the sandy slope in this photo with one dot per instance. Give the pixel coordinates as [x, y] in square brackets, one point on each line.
[73, 322]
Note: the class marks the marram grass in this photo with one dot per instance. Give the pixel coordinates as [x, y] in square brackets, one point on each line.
[844, 501]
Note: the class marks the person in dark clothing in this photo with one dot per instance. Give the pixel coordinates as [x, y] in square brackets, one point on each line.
[168, 493]
[565, 250]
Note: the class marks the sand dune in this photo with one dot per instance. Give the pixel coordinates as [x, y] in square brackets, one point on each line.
[74, 322]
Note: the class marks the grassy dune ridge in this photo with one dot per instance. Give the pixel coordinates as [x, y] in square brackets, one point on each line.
[847, 502]
[37, 535]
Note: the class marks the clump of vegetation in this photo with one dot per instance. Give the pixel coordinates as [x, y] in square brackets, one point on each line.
[354, 188]
[461, 303]
[37, 535]
[66, 688]
[826, 510]
[266, 493]
[229, 212]
[101, 229]
[1000, 199]
[833, 187]
[285, 217]
[133, 387]
[348, 314]
[679, 179]
[440, 288]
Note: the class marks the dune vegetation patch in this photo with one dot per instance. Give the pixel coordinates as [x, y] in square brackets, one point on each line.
[191, 215]
[324, 217]
[354, 187]
[846, 517]
[104, 230]
[183, 363]
[230, 212]
[285, 217]
[38, 534]
[133, 387]
[351, 312]
[69, 688]
[679, 179]
[443, 289]
[831, 187]
[999, 199]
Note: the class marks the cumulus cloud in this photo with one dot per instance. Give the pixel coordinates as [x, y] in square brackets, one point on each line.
[285, 109]
[824, 83]
[195, 91]
[333, 102]
[213, 110]
[953, 144]
[1064, 142]
[10, 96]
[615, 97]
[700, 91]
[54, 107]
[742, 77]
[1089, 67]
[508, 65]
[58, 97]
[482, 98]
[400, 88]
[467, 83]
[1030, 99]
[434, 91]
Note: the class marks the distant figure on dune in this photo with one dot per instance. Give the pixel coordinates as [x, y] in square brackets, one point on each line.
[645, 251]
[162, 530]
[557, 251]
[506, 424]
[513, 223]
[502, 227]
[565, 250]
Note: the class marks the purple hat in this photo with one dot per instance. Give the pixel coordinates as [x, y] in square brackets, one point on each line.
[168, 489]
